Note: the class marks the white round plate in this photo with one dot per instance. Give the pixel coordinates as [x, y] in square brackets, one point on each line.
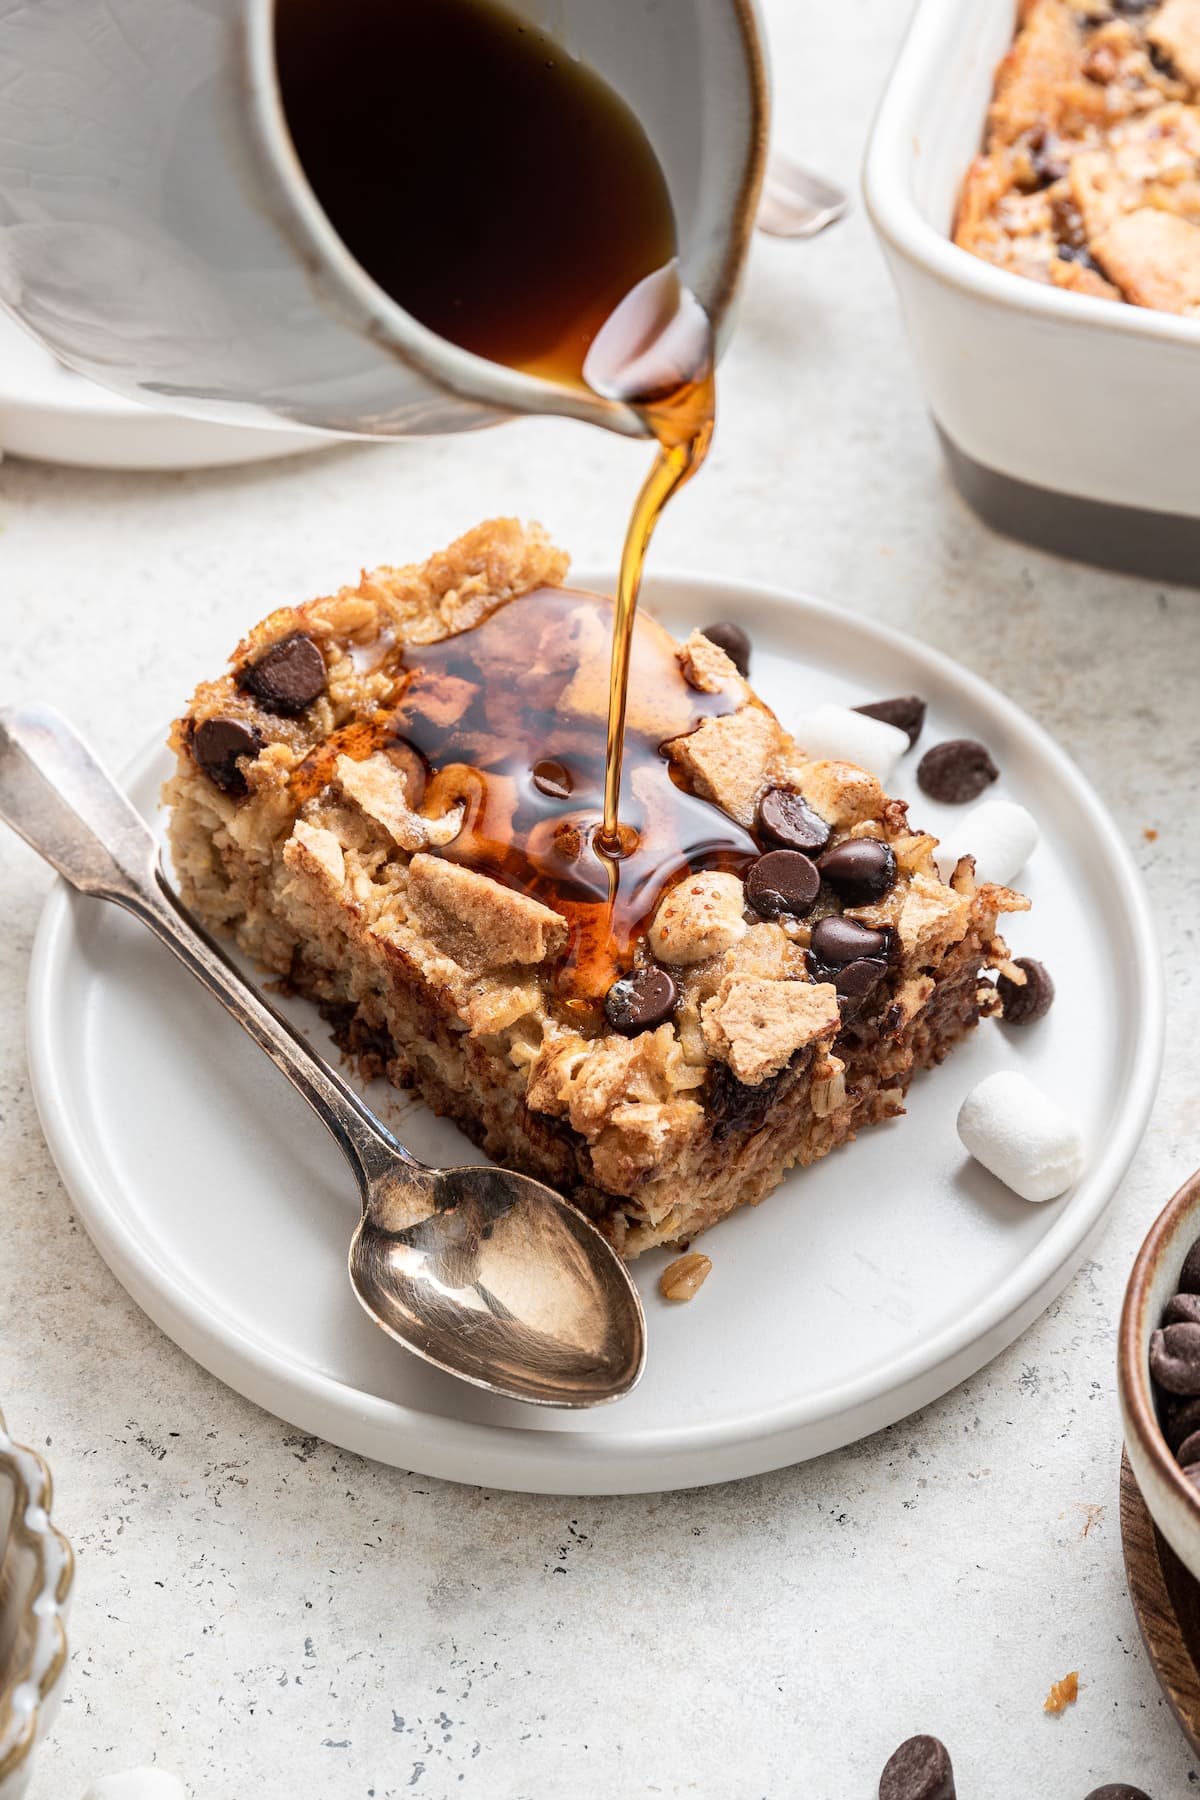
[861, 1290]
[48, 413]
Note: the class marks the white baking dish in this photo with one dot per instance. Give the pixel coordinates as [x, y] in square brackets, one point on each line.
[1088, 398]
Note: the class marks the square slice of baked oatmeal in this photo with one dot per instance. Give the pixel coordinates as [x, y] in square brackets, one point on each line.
[391, 800]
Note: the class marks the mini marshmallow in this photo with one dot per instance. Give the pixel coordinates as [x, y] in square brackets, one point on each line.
[1025, 1139]
[836, 734]
[1000, 835]
[137, 1784]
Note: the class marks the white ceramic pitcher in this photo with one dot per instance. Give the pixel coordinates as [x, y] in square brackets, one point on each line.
[158, 234]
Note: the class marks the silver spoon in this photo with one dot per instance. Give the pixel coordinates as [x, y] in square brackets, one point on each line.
[486, 1274]
[794, 202]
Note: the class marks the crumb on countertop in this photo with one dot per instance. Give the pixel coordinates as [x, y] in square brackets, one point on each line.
[1063, 1693]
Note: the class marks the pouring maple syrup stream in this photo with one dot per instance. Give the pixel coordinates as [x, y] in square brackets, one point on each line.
[537, 232]
[655, 352]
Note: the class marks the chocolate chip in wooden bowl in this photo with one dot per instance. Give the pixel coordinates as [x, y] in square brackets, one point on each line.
[836, 941]
[287, 677]
[1027, 1002]
[782, 881]
[906, 713]
[1182, 1309]
[859, 870]
[1189, 1275]
[640, 1001]
[956, 771]
[1118, 1790]
[1181, 1418]
[1175, 1358]
[786, 818]
[732, 640]
[919, 1770]
[218, 744]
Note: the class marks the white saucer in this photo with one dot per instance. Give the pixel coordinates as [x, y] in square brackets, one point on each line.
[863, 1289]
[48, 413]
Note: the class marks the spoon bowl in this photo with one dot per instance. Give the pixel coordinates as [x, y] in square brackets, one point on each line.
[489, 1275]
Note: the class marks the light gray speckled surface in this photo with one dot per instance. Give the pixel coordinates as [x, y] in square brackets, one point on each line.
[273, 1618]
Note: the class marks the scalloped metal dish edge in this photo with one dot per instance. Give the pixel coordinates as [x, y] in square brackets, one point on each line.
[30, 1691]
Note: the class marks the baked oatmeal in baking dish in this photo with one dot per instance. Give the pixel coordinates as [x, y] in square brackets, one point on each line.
[391, 800]
[1090, 176]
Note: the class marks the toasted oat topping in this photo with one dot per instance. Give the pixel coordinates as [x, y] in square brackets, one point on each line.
[728, 760]
[480, 923]
[378, 789]
[1155, 258]
[757, 1026]
[706, 667]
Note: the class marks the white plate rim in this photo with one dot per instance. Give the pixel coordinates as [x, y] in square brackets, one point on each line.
[688, 1455]
[91, 426]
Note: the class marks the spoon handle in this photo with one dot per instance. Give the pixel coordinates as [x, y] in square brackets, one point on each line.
[56, 796]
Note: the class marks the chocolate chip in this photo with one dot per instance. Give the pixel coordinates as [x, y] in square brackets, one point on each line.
[956, 771]
[918, 1770]
[787, 819]
[549, 777]
[1189, 1275]
[218, 743]
[782, 881]
[734, 1106]
[854, 981]
[1188, 1453]
[1191, 1472]
[732, 640]
[1175, 1358]
[1047, 166]
[1182, 1418]
[1069, 227]
[836, 941]
[859, 870]
[1025, 1005]
[640, 1001]
[1118, 1790]
[288, 677]
[1079, 253]
[1183, 1309]
[906, 713]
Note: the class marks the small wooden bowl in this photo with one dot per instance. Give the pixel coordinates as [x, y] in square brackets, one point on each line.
[1166, 1601]
[1173, 1503]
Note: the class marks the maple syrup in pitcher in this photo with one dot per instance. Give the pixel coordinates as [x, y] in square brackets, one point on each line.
[508, 198]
